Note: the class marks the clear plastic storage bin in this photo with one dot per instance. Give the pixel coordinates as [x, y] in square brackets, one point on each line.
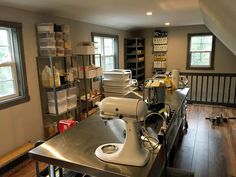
[71, 102]
[47, 51]
[58, 35]
[47, 27]
[66, 36]
[46, 35]
[60, 51]
[61, 95]
[62, 106]
[50, 43]
[71, 92]
[60, 43]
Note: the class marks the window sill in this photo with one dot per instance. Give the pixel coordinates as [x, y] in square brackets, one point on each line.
[200, 68]
[14, 101]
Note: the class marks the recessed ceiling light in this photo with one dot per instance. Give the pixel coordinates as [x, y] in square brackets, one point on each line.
[167, 23]
[149, 13]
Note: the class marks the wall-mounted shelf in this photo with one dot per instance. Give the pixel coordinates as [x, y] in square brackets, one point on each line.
[160, 47]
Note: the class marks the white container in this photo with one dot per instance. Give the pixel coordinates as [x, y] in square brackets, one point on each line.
[71, 92]
[46, 27]
[61, 95]
[89, 73]
[46, 35]
[119, 83]
[116, 89]
[84, 50]
[98, 71]
[61, 105]
[118, 74]
[115, 94]
[47, 42]
[47, 51]
[71, 102]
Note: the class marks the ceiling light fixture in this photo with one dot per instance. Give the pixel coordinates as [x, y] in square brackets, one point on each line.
[149, 13]
[167, 23]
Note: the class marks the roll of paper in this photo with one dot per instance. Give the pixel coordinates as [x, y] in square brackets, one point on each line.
[175, 79]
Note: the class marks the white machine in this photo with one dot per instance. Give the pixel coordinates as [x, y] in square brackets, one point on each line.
[132, 151]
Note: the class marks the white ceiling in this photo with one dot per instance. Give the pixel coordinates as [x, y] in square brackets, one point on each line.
[121, 14]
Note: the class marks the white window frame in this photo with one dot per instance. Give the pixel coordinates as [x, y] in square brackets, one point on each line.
[115, 48]
[211, 52]
[11, 64]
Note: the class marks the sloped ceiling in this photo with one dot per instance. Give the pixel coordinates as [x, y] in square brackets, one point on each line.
[220, 17]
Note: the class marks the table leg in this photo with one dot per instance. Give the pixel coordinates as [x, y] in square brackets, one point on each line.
[52, 171]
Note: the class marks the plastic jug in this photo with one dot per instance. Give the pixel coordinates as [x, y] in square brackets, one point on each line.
[47, 77]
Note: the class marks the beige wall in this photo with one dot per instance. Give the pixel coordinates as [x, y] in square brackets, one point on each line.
[23, 123]
[177, 50]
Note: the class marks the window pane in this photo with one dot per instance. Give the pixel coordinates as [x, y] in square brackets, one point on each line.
[195, 47]
[6, 88]
[109, 46]
[201, 43]
[6, 73]
[5, 55]
[4, 37]
[98, 45]
[200, 59]
[196, 39]
[97, 61]
[109, 63]
[106, 46]
[207, 39]
[206, 47]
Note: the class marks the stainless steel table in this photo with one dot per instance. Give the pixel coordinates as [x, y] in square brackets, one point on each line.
[75, 148]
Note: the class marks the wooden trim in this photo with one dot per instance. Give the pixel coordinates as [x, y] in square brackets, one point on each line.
[11, 156]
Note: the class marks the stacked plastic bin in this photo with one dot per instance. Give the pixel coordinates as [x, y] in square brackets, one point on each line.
[116, 83]
[54, 39]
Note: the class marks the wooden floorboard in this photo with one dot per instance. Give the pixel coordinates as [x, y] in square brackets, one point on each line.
[210, 149]
[207, 150]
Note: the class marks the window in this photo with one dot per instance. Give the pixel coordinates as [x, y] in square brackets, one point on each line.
[201, 51]
[13, 88]
[107, 46]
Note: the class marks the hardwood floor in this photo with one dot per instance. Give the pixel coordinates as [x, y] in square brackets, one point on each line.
[207, 150]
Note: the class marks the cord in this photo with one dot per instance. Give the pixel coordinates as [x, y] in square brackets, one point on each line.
[156, 113]
[148, 139]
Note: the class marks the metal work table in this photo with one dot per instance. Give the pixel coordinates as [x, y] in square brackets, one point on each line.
[75, 148]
